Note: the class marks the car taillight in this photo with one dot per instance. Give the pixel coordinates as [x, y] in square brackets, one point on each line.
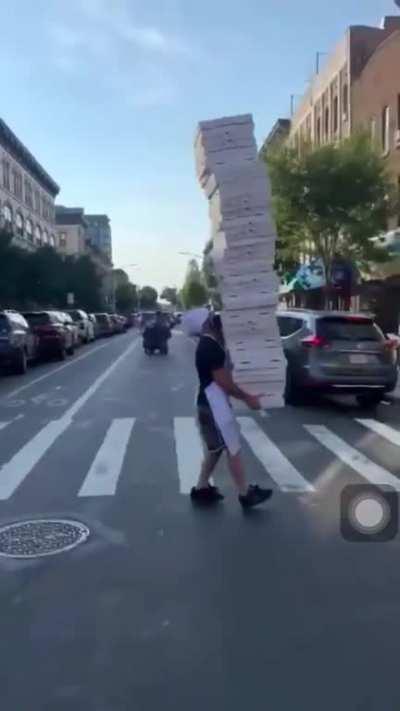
[314, 342]
[391, 344]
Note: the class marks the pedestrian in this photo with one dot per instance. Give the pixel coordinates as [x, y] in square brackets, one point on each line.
[217, 423]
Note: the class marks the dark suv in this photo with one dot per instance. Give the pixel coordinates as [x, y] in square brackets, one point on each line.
[336, 352]
[54, 335]
[18, 345]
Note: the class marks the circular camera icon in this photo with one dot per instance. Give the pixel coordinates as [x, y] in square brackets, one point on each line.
[368, 513]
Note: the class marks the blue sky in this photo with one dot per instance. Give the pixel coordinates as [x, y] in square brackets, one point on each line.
[107, 95]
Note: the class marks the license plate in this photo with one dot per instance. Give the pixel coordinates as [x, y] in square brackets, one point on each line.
[358, 359]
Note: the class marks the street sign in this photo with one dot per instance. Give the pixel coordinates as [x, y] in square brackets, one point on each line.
[70, 299]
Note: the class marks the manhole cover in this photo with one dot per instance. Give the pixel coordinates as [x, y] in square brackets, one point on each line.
[40, 537]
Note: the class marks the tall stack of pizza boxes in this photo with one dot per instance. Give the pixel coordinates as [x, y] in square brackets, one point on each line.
[236, 184]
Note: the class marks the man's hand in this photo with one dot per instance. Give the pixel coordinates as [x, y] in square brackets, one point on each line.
[253, 401]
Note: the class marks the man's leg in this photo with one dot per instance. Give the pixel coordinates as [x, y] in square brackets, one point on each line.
[236, 469]
[209, 463]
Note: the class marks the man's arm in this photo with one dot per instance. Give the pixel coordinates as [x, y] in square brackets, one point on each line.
[223, 378]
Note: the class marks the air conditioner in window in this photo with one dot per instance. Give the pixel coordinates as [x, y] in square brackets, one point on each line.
[397, 138]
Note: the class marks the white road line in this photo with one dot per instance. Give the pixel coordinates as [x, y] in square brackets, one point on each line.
[3, 425]
[57, 370]
[388, 433]
[280, 469]
[354, 459]
[103, 475]
[13, 473]
[189, 452]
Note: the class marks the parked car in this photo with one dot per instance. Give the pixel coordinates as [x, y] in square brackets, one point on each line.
[118, 324]
[131, 320]
[335, 352]
[93, 320]
[54, 336]
[86, 328]
[18, 344]
[73, 327]
[105, 325]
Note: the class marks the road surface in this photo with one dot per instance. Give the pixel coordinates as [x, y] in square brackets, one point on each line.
[166, 604]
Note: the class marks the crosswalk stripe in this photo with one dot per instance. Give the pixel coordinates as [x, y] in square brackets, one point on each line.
[189, 452]
[280, 469]
[354, 459]
[3, 425]
[17, 469]
[103, 475]
[388, 433]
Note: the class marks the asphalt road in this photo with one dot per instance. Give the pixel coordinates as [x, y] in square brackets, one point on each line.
[166, 604]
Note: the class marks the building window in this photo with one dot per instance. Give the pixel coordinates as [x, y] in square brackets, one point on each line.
[7, 214]
[19, 224]
[327, 124]
[45, 237]
[345, 101]
[37, 201]
[29, 230]
[38, 235]
[28, 193]
[6, 174]
[52, 241]
[63, 240]
[385, 129]
[17, 183]
[335, 115]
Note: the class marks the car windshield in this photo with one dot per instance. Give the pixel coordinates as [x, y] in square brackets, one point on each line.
[348, 329]
[75, 315]
[38, 319]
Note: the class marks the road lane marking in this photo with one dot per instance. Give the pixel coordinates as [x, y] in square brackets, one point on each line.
[58, 369]
[189, 452]
[354, 459]
[280, 469]
[103, 475]
[13, 473]
[388, 433]
[3, 425]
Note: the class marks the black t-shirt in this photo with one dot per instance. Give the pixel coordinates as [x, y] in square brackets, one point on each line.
[209, 356]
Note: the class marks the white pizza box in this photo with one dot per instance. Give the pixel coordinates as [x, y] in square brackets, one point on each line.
[223, 122]
[270, 359]
[242, 322]
[241, 201]
[233, 300]
[242, 343]
[259, 251]
[238, 176]
[224, 270]
[206, 165]
[269, 400]
[225, 138]
[255, 281]
[273, 383]
[245, 230]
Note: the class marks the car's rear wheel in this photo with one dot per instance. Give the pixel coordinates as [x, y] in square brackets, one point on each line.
[21, 364]
[370, 399]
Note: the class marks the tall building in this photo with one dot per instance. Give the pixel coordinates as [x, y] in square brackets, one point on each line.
[357, 88]
[27, 194]
[74, 240]
[99, 233]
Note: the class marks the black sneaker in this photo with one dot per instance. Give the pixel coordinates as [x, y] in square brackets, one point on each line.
[255, 496]
[208, 495]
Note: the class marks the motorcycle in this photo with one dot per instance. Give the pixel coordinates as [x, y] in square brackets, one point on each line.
[155, 338]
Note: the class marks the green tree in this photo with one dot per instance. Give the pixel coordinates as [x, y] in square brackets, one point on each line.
[209, 276]
[170, 293]
[84, 282]
[148, 297]
[126, 298]
[330, 202]
[194, 292]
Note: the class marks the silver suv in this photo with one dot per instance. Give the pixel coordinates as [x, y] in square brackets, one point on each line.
[336, 352]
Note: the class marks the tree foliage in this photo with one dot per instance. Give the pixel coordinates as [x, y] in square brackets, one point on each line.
[44, 278]
[210, 277]
[126, 297]
[148, 297]
[194, 292]
[330, 201]
[170, 293]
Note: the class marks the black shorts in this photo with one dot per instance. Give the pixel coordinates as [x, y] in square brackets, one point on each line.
[209, 429]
